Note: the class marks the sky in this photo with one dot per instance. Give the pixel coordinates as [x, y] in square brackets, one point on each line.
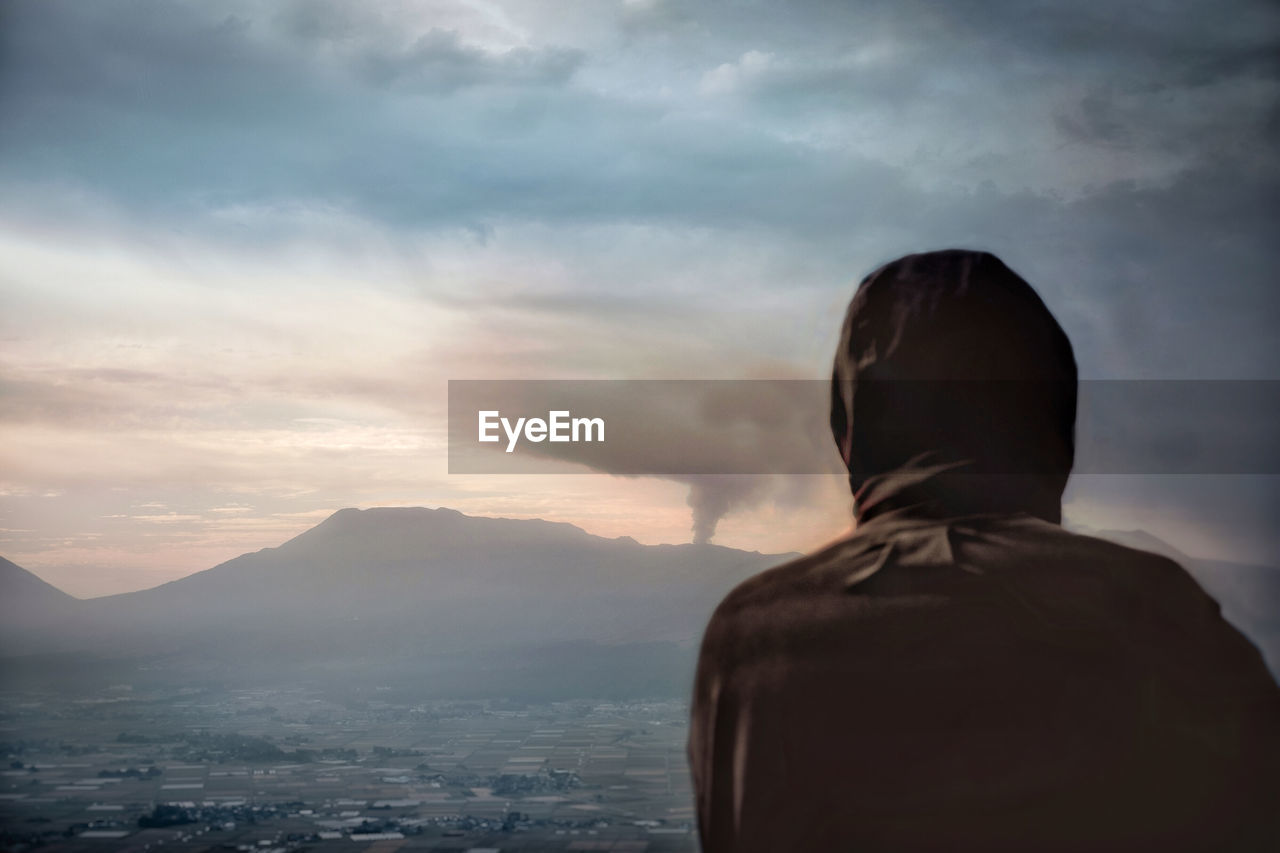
[244, 246]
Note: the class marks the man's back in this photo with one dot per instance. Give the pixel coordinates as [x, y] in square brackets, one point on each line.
[981, 682]
[963, 674]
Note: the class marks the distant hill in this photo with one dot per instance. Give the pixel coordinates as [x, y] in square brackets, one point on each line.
[28, 607]
[445, 603]
[395, 592]
[24, 590]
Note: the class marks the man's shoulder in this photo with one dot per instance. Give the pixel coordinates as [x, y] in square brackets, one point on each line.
[1085, 547]
[800, 594]
[1022, 547]
[1053, 552]
[803, 577]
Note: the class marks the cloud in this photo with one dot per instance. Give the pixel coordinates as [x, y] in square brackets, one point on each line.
[729, 77]
[439, 63]
[234, 221]
[188, 117]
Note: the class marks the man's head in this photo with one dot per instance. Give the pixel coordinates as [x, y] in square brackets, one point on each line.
[951, 357]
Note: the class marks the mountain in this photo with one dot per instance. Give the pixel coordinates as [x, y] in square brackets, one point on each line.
[447, 603]
[468, 582]
[393, 593]
[23, 590]
[28, 606]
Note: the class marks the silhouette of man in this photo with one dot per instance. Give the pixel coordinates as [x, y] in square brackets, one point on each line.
[961, 673]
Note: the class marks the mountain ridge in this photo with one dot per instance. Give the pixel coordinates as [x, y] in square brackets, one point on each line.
[378, 589]
[374, 588]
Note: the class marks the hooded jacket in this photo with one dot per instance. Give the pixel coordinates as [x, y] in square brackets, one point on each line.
[961, 673]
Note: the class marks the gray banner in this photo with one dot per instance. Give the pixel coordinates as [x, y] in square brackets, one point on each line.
[747, 426]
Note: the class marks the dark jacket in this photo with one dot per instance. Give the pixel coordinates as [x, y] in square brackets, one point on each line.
[962, 673]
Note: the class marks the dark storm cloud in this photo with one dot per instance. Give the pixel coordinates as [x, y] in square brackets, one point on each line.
[1177, 76]
[184, 114]
[1097, 121]
[173, 111]
[1180, 41]
[170, 109]
[439, 62]
[161, 108]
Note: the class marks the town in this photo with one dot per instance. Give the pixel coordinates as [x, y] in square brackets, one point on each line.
[195, 769]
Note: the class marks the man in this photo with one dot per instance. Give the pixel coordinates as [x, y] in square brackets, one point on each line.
[962, 673]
